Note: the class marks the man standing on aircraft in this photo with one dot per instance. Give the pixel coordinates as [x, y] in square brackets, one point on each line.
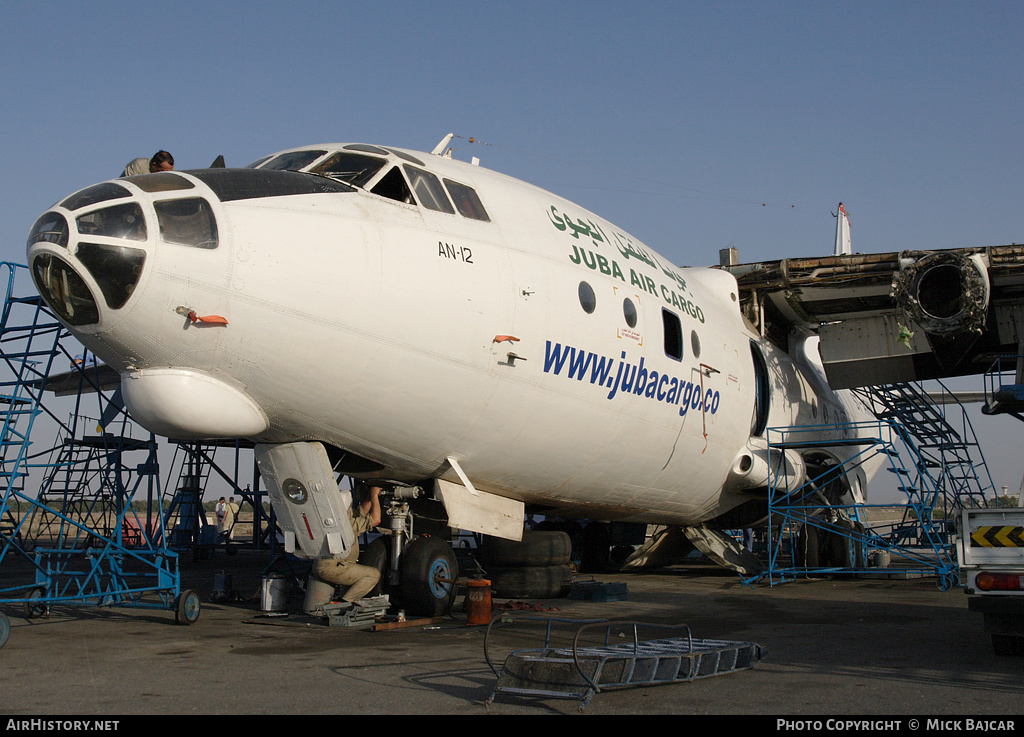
[346, 571]
[161, 161]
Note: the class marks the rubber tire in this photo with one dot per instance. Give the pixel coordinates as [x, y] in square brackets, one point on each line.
[809, 546]
[187, 609]
[377, 555]
[537, 548]
[5, 629]
[843, 551]
[34, 611]
[424, 560]
[575, 532]
[597, 548]
[1007, 646]
[530, 582]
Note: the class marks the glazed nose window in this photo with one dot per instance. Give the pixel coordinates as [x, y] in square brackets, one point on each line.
[120, 221]
[116, 269]
[64, 290]
[50, 228]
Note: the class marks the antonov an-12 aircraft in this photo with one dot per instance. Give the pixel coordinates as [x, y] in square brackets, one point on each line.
[486, 348]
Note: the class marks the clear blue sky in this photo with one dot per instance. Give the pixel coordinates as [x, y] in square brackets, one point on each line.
[692, 125]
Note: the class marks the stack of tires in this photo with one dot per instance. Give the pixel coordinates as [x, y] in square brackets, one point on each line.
[537, 567]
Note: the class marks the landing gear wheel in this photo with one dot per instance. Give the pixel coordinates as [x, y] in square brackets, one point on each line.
[376, 555]
[5, 629]
[1007, 646]
[429, 570]
[845, 549]
[36, 609]
[809, 544]
[597, 547]
[188, 606]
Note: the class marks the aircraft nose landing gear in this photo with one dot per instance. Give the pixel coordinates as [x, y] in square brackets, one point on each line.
[429, 570]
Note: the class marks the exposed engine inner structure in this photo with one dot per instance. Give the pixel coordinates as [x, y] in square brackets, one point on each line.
[945, 293]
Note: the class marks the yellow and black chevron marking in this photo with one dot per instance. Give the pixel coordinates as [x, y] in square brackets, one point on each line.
[998, 537]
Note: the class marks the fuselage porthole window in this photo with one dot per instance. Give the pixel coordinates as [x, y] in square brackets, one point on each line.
[588, 300]
[673, 335]
[695, 344]
[629, 312]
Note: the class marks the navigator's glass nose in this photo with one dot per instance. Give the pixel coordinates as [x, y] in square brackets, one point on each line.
[87, 253]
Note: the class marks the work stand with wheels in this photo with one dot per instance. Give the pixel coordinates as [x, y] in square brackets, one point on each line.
[608, 655]
[99, 577]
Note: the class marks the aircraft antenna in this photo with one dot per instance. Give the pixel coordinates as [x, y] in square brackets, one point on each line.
[439, 148]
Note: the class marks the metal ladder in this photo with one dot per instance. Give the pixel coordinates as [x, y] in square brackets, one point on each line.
[97, 550]
[581, 671]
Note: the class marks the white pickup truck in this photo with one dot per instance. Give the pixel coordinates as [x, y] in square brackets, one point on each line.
[990, 551]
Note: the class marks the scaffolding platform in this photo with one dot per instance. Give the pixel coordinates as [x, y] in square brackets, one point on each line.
[584, 669]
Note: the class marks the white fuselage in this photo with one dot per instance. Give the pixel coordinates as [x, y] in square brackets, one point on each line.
[408, 336]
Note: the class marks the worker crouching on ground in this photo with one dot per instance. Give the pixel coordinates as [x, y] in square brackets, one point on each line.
[327, 573]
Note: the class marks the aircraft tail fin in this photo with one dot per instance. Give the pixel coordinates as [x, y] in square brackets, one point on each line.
[843, 243]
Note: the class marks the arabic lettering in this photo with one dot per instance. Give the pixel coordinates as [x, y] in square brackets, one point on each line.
[576, 228]
[629, 250]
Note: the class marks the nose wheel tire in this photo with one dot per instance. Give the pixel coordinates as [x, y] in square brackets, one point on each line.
[429, 570]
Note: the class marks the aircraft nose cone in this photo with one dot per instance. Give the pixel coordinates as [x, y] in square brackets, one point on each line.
[90, 258]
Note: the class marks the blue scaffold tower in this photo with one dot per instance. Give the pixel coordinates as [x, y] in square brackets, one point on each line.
[80, 520]
[928, 446]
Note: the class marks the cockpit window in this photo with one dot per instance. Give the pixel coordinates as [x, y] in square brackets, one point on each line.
[356, 169]
[292, 161]
[467, 201]
[94, 194]
[248, 184]
[161, 181]
[188, 222]
[366, 148]
[119, 221]
[392, 185]
[51, 228]
[255, 164]
[428, 190]
[407, 157]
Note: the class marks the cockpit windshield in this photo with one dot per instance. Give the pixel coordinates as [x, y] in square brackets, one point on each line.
[291, 161]
[355, 169]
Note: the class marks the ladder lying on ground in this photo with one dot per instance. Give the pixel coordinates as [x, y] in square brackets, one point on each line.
[581, 671]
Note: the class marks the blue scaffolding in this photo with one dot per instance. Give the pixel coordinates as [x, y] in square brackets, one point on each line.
[1004, 387]
[938, 467]
[92, 532]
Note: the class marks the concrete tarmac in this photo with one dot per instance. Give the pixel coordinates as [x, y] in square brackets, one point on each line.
[887, 648]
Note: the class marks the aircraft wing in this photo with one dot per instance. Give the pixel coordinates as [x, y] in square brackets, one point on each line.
[894, 317]
[95, 377]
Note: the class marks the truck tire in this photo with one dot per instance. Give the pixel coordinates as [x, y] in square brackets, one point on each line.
[537, 548]
[530, 582]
